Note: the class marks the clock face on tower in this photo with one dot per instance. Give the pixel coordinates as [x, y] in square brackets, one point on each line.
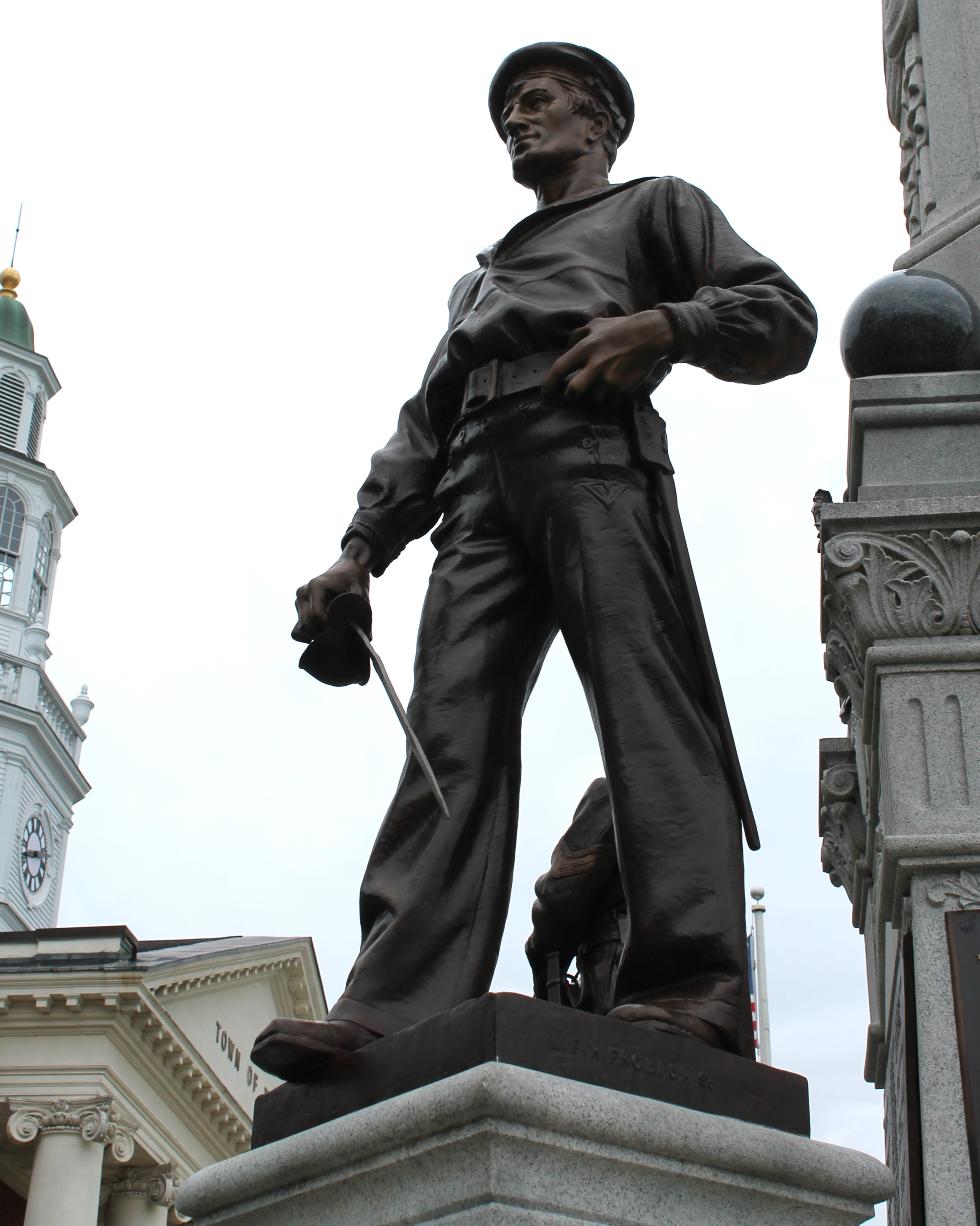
[34, 854]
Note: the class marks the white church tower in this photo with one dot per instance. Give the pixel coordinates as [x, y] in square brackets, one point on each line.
[40, 735]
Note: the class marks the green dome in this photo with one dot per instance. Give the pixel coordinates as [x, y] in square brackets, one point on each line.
[15, 324]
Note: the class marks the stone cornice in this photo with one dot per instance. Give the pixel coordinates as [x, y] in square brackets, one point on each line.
[148, 1037]
[204, 979]
[949, 856]
[94, 1119]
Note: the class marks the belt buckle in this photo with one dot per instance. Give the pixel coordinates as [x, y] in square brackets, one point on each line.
[478, 395]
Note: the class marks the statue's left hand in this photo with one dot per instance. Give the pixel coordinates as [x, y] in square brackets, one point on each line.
[610, 358]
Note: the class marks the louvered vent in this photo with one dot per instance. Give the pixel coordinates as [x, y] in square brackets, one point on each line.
[37, 417]
[11, 403]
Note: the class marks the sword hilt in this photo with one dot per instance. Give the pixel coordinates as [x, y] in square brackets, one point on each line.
[339, 656]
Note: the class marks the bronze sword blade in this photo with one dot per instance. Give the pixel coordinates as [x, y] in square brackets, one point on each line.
[400, 711]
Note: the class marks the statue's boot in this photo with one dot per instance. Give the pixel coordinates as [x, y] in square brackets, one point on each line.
[667, 1021]
[301, 1051]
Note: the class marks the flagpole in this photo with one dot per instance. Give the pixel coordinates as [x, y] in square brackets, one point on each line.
[762, 990]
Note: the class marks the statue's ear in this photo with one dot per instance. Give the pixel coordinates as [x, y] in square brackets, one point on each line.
[598, 127]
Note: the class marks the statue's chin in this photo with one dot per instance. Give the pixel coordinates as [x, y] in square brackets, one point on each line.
[529, 170]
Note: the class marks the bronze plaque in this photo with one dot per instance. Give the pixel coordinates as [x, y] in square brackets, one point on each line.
[963, 932]
[903, 1128]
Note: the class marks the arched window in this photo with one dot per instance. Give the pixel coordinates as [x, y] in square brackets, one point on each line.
[37, 420]
[12, 391]
[42, 565]
[11, 531]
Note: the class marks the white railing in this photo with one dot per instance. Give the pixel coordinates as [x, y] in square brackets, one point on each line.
[56, 714]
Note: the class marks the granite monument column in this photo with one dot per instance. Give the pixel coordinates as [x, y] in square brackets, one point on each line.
[900, 793]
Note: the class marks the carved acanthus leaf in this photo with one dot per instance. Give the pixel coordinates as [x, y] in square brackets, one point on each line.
[841, 666]
[964, 889]
[907, 585]
[842, 825]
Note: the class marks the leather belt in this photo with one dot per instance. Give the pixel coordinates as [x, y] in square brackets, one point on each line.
[499, 379]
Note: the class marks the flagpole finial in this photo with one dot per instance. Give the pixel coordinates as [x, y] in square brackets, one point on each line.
[9, 280]
[758, 893]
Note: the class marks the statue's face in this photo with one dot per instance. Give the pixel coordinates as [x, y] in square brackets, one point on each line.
[544, 135]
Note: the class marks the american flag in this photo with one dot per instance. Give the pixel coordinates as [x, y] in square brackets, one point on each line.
[753, 993]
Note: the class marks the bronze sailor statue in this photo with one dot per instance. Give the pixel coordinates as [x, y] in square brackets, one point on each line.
[534, 451]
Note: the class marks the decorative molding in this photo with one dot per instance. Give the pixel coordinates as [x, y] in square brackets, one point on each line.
[164, 1047]
[906, 93]
[58, 718]
[9, 680]
[915, 172]
[842, 827]
[894, 586]
[842, 668]
[964, 889]
[211, 979]
[907, 585]
[158, 1185]
[295, 983]
[94, 1119]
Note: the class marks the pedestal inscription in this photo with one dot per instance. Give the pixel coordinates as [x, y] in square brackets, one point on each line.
[531, 1034]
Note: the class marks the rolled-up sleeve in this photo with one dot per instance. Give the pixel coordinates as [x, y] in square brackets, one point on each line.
[395, 504]
[736, 313]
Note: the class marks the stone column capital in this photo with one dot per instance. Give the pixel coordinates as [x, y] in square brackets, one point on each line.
[94, 1119]
[899, 584]
[156, 1184]
[886, 583]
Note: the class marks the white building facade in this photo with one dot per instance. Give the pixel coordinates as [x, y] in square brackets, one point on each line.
[123, 1063]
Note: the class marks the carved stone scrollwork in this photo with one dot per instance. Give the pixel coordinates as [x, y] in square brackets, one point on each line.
[94, 1119]
[963, 890]
[906, 585]
[905, 84]
[843, 669]
[918, 191]
[842, 827]
[156, 1184]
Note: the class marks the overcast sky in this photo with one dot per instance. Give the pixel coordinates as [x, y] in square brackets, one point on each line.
[241, 225]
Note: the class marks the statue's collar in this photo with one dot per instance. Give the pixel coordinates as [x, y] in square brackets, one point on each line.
[485, 257]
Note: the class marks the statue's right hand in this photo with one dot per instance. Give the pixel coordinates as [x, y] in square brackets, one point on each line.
[350, 573]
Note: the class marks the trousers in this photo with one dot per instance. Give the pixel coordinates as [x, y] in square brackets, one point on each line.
[549, 523]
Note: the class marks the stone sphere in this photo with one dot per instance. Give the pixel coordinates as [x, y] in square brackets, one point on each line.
[907, 323]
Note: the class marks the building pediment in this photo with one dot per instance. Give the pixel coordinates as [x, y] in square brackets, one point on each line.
[163, 1027]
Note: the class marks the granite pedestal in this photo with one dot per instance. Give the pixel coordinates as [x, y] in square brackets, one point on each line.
[511, 1110]
[502, 1144]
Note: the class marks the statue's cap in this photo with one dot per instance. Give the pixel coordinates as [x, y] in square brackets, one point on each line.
[595, 72]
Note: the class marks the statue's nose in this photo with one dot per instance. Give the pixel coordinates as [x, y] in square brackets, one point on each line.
[513, 124]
